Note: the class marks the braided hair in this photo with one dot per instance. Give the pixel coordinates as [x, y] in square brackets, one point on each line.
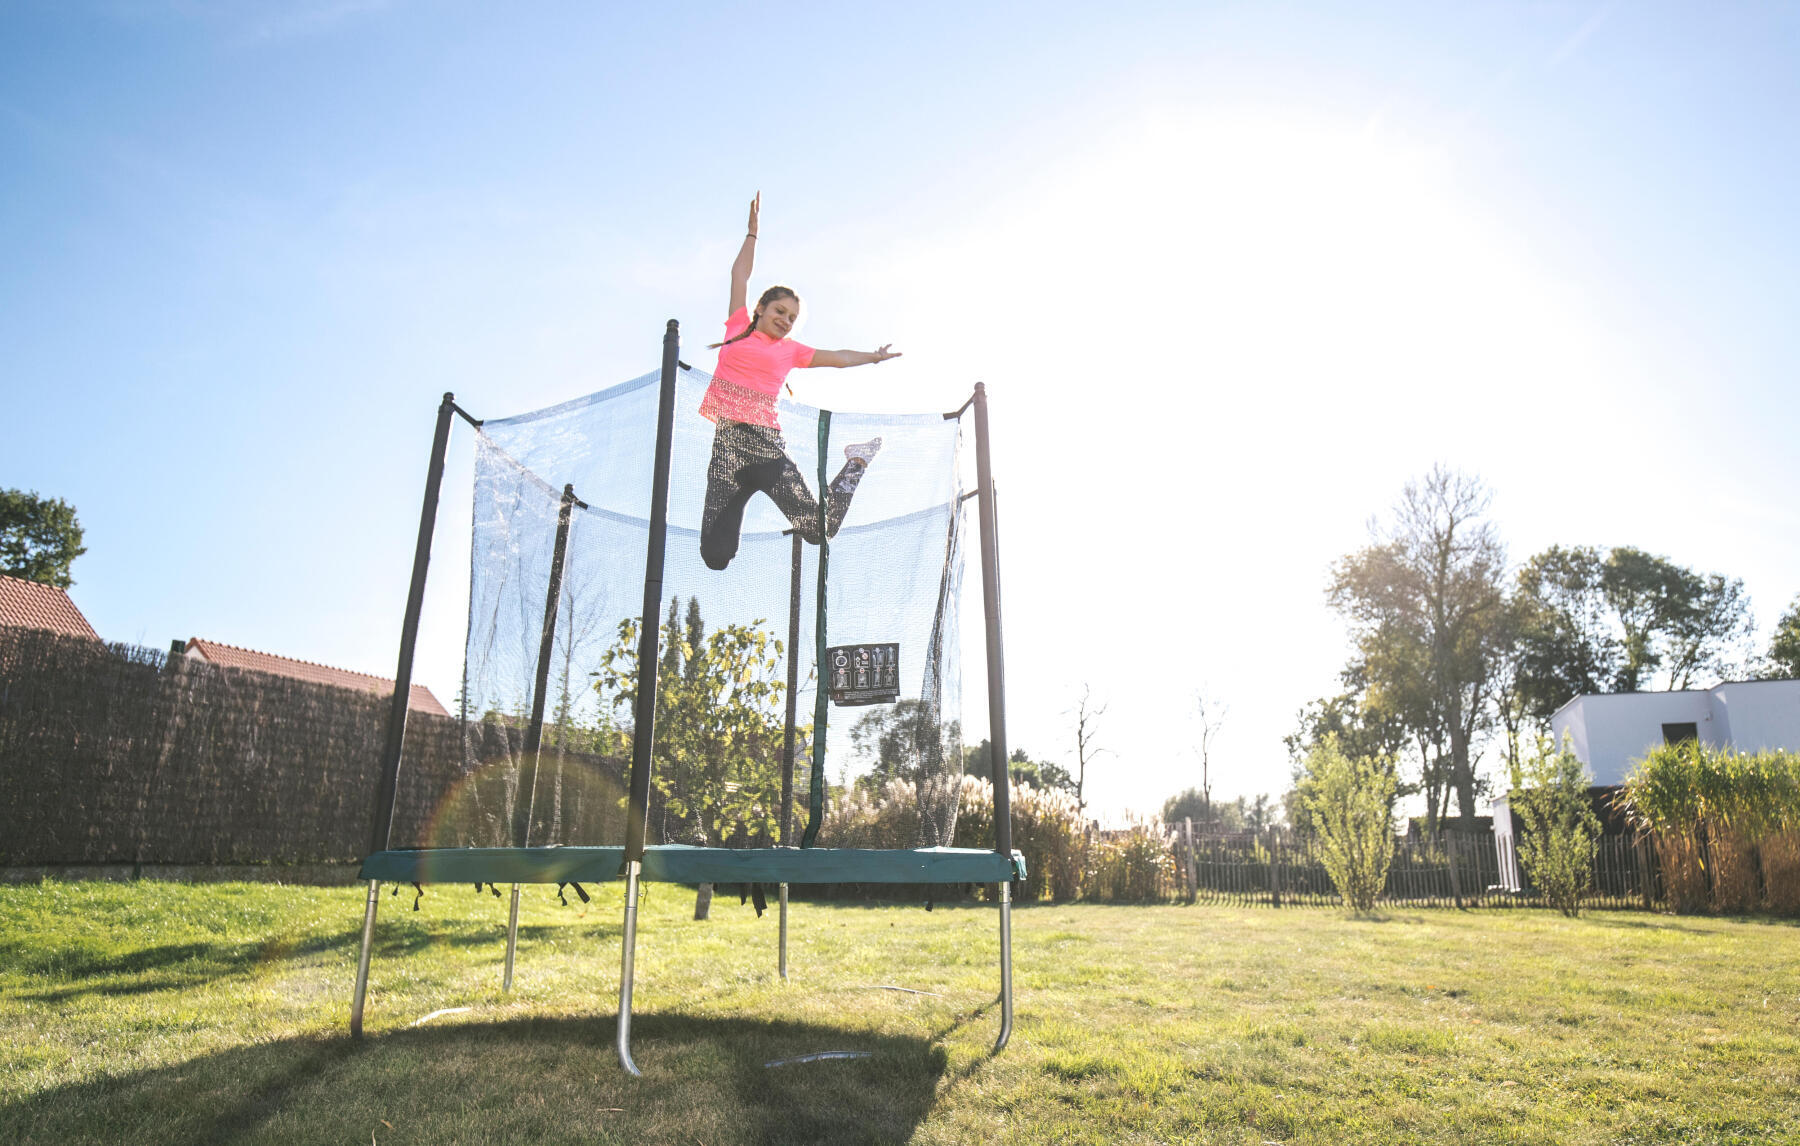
[773, 294]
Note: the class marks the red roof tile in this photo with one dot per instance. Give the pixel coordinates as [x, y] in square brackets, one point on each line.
[29, 605]
[419, 700]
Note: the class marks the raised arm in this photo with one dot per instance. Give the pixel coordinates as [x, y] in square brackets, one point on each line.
[740, 270]
[852, 357]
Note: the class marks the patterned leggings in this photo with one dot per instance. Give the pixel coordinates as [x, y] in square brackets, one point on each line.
[747, 460]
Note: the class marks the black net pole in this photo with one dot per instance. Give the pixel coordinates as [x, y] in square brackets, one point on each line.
[793, 697]
[388, 784]
[643, 735]
[526, 797]
[996, 660]
[815, 787]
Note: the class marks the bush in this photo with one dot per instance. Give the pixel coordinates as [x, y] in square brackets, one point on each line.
[1557, 848]
[1046, 828]
[1351, 803]
[1131, 866]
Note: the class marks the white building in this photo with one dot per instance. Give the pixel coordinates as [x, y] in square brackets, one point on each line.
[1611, 732]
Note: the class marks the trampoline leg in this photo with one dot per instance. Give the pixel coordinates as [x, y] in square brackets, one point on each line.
[512, 939]
[783, 959]
[362, 962]
[1006, 1000]
[627, 963]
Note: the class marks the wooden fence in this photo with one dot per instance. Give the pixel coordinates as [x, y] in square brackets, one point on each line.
[1458, 869]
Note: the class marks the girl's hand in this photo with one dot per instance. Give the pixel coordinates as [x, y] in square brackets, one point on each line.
[882, 354]
[755, 207]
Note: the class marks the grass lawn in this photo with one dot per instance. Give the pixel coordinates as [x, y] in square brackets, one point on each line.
[150, 1012]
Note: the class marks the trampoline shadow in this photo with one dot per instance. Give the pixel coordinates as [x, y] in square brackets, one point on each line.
[538, 1080]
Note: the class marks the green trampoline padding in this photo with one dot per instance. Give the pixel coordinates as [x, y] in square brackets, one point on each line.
[681, 863]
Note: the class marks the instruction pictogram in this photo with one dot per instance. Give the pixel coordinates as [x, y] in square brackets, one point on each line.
[863, 674]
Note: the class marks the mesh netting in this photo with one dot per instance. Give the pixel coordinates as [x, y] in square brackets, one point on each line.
[893, 581]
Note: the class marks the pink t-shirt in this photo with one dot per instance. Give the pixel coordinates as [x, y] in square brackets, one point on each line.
[750, 373]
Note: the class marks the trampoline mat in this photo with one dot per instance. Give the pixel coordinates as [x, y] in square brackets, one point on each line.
[682, 863]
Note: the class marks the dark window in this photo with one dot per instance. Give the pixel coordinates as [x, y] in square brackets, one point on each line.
[1676, 733]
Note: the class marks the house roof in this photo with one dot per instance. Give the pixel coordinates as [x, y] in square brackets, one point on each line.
[1719, 689]
[420, 698]
[29, 605]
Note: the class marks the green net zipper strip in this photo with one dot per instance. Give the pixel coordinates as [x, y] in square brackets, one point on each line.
[815, 795]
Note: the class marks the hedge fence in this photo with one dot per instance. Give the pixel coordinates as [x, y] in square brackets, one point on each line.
[114, 753]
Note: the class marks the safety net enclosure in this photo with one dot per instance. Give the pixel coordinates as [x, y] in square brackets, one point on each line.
[893, 585]
[648, 683]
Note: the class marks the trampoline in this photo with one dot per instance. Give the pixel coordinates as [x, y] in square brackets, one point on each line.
[558, 647]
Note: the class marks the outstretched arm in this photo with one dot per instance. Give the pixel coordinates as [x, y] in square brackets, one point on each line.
[852, 357]
[740, 270]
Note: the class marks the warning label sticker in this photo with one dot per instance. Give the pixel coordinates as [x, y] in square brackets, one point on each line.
[863, 674]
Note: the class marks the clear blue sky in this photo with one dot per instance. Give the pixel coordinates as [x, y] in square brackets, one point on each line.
[1233, 273]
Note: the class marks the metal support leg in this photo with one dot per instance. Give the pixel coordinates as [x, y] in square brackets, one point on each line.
[626, 965]
[512, 939]
[783, 960]
[1006, 1002]
[362, 963]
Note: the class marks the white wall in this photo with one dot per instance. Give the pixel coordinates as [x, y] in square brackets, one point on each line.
[1761, 714]
[1505, 847]
[1609, 733]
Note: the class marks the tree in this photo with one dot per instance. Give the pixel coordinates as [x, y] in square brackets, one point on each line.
[1087, 719]
[719, 724]
[1622, 621]
[1240, 815]
[1187, 804]
[1039, 773]
[1557, 847]
[1566, 643]
[1260, 814]
[1710, 638]
[1351, 802]
[39, 538]
[1784, 647]
[1020, 767]
[1426, 604]
[1363, 731]
[902, 741]
[1212, 721]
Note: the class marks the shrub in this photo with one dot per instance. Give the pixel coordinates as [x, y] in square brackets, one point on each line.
[1351, 803]
[1135, 865]
[1557, 848]
[1046, 828]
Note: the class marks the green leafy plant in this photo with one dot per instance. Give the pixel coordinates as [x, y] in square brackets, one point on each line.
[1350, 801]
[1557, 847]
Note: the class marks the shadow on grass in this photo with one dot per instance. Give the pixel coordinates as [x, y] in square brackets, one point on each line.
[1650, 923]
[95, 970]
[536, 1080]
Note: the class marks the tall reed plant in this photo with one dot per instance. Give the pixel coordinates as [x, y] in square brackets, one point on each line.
[1725, 824]
[1046, 829]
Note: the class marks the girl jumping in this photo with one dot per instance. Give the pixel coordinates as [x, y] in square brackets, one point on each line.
[748, 454]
